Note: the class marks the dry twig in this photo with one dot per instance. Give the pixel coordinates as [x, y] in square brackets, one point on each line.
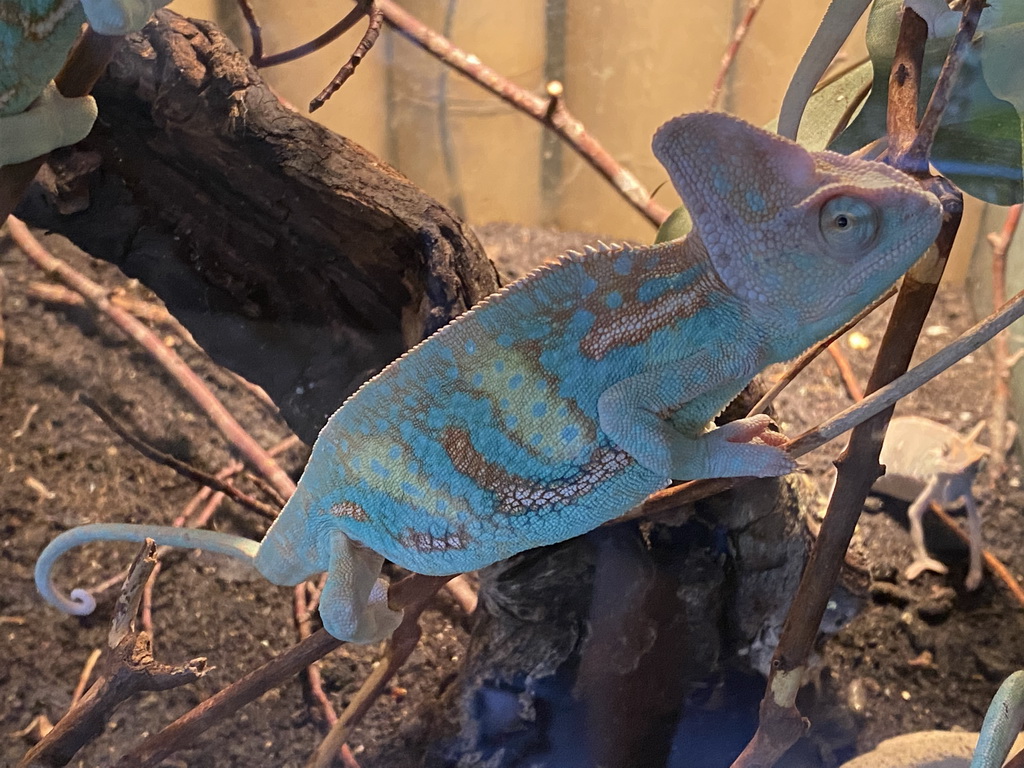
[185, 470]
[554, 116]
[1000, 349]
[349, 67]
[846, 373]
[808, 357]
[128, 668]
[96, 295]
[738, 35]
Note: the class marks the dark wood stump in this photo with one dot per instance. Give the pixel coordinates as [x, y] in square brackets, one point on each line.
[293, 255]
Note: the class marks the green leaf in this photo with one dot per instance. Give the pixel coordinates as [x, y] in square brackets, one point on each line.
[979, 144]
[675, 226]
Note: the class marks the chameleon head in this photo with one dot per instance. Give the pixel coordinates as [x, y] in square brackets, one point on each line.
[804, 239]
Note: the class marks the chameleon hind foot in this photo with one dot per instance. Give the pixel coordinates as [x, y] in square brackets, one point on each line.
[52, 121]
[354, 602]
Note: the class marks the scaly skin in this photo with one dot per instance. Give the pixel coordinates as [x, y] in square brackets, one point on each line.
[565, 399]
[35, 37]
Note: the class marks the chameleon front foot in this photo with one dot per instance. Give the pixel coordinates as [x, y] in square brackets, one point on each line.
[52, 121]
[922, 564]
[742, 448]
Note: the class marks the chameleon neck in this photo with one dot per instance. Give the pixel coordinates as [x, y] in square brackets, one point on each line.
[80, 602]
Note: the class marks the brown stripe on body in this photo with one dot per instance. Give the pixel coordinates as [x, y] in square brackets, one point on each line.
[624, 272]
[422, 541]
[35, 26]
[351, 510]
[517, 495]
[635, 322]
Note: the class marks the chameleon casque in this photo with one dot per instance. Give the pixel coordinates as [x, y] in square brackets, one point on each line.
[569, 396]
[35, 37]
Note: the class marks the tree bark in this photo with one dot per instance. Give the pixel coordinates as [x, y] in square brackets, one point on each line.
[294, 256]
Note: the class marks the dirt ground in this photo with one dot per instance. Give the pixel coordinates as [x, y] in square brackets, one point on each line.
[62, 467]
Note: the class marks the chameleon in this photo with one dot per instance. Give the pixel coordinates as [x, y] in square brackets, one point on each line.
[35, 37]
[927, 462]
[566, 398]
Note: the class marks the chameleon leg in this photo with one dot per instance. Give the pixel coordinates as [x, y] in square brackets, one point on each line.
[922, 560]
[636, 412]
[51, 121]
[354, 603]
[974, 572]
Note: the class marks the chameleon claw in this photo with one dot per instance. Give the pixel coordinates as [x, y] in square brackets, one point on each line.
[919, 566]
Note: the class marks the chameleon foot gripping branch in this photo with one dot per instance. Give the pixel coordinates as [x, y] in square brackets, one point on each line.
[565, 399]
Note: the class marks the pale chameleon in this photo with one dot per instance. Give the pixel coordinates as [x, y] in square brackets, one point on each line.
[568, 397]
[35, 37]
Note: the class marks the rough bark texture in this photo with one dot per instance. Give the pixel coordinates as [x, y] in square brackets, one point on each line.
[294, 256]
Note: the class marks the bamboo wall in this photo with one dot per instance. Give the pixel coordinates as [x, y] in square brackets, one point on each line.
[626, 67]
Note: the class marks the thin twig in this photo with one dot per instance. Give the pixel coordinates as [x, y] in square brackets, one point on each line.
[809, 356]
[1000, 349]
[349, 67]
[916, 156]
[50, 293]
[348, 21]
[464, 592]
[83, 677]
[732, 49]
[96, 295]
[846, 373]
[564, 124]
[204, 494]
[182, 468]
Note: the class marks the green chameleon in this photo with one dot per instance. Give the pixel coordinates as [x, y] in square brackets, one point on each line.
[569, 396]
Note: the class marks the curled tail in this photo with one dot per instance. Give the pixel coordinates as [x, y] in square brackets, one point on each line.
[80, 602]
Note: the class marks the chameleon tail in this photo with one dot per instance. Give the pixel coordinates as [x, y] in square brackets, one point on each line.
[80, 602]
[1002, 723]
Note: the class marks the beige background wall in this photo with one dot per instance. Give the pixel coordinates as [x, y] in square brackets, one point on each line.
[626, 67]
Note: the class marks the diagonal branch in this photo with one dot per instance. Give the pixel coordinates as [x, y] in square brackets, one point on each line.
[549, 112]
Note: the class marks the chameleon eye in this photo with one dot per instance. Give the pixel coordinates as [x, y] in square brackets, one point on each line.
[848, 224]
